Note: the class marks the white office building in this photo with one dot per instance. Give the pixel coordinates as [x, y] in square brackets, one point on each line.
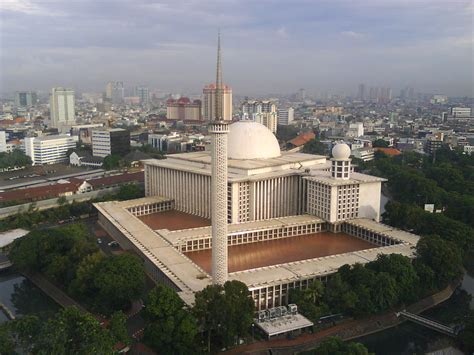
[286, 116]
[49, 149]
[62, 111]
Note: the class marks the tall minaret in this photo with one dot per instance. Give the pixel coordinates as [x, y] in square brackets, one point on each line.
[218, 129]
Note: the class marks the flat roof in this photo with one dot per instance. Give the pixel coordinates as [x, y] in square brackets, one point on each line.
[179, 236]
[160, 248]
[284, 324]
[8, 237]
[201, 162]
[389, 231]
[356, 178]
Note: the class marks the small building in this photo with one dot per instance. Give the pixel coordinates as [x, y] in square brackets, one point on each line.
[364, 154]
[84, 159]
[301, 140]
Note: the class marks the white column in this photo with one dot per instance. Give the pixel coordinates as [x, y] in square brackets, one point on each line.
[219, 130]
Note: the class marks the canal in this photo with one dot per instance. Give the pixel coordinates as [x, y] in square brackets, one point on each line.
[409, 338]
[21, 297]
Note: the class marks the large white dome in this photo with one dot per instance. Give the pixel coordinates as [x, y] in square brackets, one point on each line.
[341, 151]
[251, 140]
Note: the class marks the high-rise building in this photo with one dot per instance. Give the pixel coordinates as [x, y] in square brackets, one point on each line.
[114, 92]
[361, 94]
[25, 98]
[49, 149]
[62, 111]
[286, 116]
[264, 112]
[115, 141]
[302, 94]
[143, 94]
[183, 109]
[209, 98]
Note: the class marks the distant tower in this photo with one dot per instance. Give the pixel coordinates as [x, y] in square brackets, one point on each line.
[341, 163]
[219, 129]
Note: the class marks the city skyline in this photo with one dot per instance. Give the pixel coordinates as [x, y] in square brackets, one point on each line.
[269, 46]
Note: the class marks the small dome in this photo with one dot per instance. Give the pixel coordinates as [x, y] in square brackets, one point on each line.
[341, 151]
[251, 140]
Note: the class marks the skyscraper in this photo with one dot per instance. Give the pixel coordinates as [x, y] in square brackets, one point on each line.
[143, 93]
[25, 98]
[114, 92]
[62, 111]
[361, 94]
[219, 129]
[209, 102]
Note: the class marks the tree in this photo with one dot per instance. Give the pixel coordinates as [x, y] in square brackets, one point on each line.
[339, 296]
[286, 133]
[380, 143]
[314, 146]
[170, 326]
[442, 256]
[74, 332]
[335, 346]
[384, 291]
[310, 301]
[224, 312]
[111, 162]
[116, 281]
[129, 192]
[402, 270]
[55, 252]
[118, 327]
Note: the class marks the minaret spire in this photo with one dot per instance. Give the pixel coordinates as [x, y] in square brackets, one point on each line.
[219, 89]
[218, 128]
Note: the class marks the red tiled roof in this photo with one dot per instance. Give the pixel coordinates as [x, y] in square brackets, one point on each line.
[40, 192]
[302, 139]
[388, 151]
[117, 179]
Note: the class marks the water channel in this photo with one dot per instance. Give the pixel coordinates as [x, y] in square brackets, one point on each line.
[21, 297]
[409, 338]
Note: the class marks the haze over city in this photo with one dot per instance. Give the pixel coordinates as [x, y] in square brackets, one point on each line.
[268, 46]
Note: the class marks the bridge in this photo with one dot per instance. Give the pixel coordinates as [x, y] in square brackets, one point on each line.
[451, 331]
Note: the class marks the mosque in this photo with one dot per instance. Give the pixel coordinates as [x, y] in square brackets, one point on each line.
[247, 211]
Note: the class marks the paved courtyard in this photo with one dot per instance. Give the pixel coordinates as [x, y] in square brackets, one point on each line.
[280, 251]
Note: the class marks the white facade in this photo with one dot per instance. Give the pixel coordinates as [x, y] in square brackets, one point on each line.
[101, 146]
[356, 130]
[49, 149]
[286, 116]
[62, 111]
[3, 142]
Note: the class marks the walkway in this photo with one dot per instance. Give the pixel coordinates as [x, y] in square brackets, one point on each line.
[59, 296]
[428, 323]
[348, 330]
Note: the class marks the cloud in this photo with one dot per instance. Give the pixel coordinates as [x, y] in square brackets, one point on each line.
[171, 43]
[282, 32]
[26, 7]
[353, 34]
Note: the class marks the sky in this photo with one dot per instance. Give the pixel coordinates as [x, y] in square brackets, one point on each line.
[269, 46]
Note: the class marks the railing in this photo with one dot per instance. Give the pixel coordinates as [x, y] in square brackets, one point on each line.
[429, 323]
